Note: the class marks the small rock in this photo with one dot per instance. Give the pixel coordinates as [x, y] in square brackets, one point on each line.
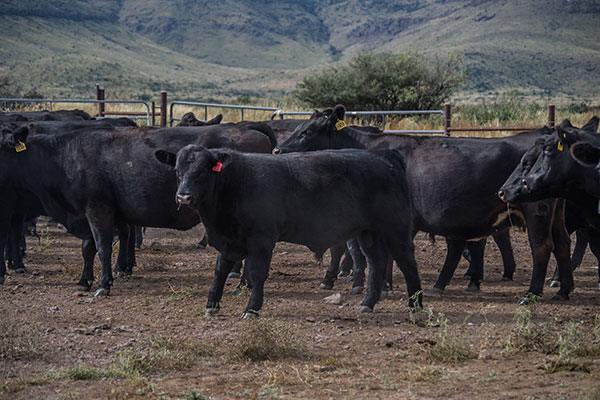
[35, 273]
[54, 308]
[310, 319]
[335, 298]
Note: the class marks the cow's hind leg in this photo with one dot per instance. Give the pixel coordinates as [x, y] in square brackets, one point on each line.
[102, 224]
[403, 252]
[88, 252]
[453, 254]
[222, 269]
[582, 237]
[562, 253]
[476, 249]
[13, 245]
[376, 254]
[334, 266]
[502, 240]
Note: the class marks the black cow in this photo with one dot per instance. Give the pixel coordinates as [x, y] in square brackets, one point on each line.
[453, 184]
[548, 170]
[107, 177]
[189, 119]
[61, 115]
[248, 202]
[19, 205]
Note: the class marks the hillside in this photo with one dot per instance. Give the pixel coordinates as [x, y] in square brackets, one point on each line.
[219, 50]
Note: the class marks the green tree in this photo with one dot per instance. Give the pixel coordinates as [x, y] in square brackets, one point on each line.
[405, 81]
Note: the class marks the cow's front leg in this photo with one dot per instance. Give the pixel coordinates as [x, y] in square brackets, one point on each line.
[13, 244]
[334, 266]
[453, 255]
[562, 252]
[126, 235]
[102, 224]
[538, 217]
[88, 252]
[476, 268]
[222, 269]
[377, 257]
[257, 263]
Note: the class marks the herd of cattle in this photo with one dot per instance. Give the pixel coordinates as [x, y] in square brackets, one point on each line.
[315, 182]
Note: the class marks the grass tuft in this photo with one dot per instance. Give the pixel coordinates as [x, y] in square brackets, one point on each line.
[266, 339]
[21, 342]
[450, 347]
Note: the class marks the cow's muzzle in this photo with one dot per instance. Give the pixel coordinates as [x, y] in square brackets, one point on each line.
[184, 199]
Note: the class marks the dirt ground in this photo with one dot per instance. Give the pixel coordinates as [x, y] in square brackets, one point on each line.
[150, 338]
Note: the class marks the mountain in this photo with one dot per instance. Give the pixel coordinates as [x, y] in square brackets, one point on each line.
[221, 50]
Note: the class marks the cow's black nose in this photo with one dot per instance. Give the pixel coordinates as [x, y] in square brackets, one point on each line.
[501, 194]
[184, 199]
[524, 183]
[276, 150]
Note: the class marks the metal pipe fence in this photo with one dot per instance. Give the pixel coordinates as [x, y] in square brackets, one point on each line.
[214, 105]
[281, 114]
[83, 101]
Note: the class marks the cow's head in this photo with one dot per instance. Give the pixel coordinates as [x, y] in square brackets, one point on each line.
[548, 169]
[316, 133]
[13, 138]
[197, 170]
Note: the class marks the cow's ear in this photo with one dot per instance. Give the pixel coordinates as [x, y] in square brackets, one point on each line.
[585, 154]
[222, 160]
[21, 133]
[166, 157]
[216, 120]
[591, 125]
[339, 111]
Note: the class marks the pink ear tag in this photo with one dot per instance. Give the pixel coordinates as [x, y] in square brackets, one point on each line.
[218, 166]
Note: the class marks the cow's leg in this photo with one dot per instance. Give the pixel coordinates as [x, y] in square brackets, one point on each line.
[203, 242]
[562, 252]
[3, 242]
[88, 252]
[581, 242]
[360, 265]
[125, 238]
[347, 263]
[235, 271]
[594, 237]
[244, 280]
[403, 252]
[473, 262]
[139, 237]
[502, 240]
[16, 232]
[538, 217]
[257, 263]
[102, 224]
[222, 269]
[453, 254]
[476, 249]
[376, 254]
[131, 246]
[334, 266]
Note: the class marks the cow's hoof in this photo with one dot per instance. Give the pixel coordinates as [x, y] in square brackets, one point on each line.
[357, 290]
[121, 274]
[326, 286]
[102, 292]
[20, 270]
[466, 277]
[529, 299]
[250, 314]
[560, 297]
[236, 292]
[383, 295]
[472, 287]
[434, 291]
[341, 274]
[506, 278]
[210, 311]
[554, 283]
[82, 288]
[365, 309]
[233, 275]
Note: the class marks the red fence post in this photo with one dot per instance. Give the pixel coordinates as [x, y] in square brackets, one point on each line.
[551, 118]
[163, 108]
[447, 119]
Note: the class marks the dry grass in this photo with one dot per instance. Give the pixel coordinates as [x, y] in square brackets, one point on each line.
[450, 346]
[267, 339]
[21, 342]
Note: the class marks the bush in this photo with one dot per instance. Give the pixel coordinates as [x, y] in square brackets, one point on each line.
[406, 81]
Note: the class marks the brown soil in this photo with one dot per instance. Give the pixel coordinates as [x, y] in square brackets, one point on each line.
[346, 354]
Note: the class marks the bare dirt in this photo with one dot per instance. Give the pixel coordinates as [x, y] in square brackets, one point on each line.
[59, 344]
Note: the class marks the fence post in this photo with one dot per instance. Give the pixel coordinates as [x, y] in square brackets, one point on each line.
[551, 119]
[101, 108]
[163, 108]
[447, 119]
[153, 114]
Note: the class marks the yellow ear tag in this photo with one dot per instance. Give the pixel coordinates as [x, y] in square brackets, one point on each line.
[20, 146]
[340, 125]
[560, 146]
